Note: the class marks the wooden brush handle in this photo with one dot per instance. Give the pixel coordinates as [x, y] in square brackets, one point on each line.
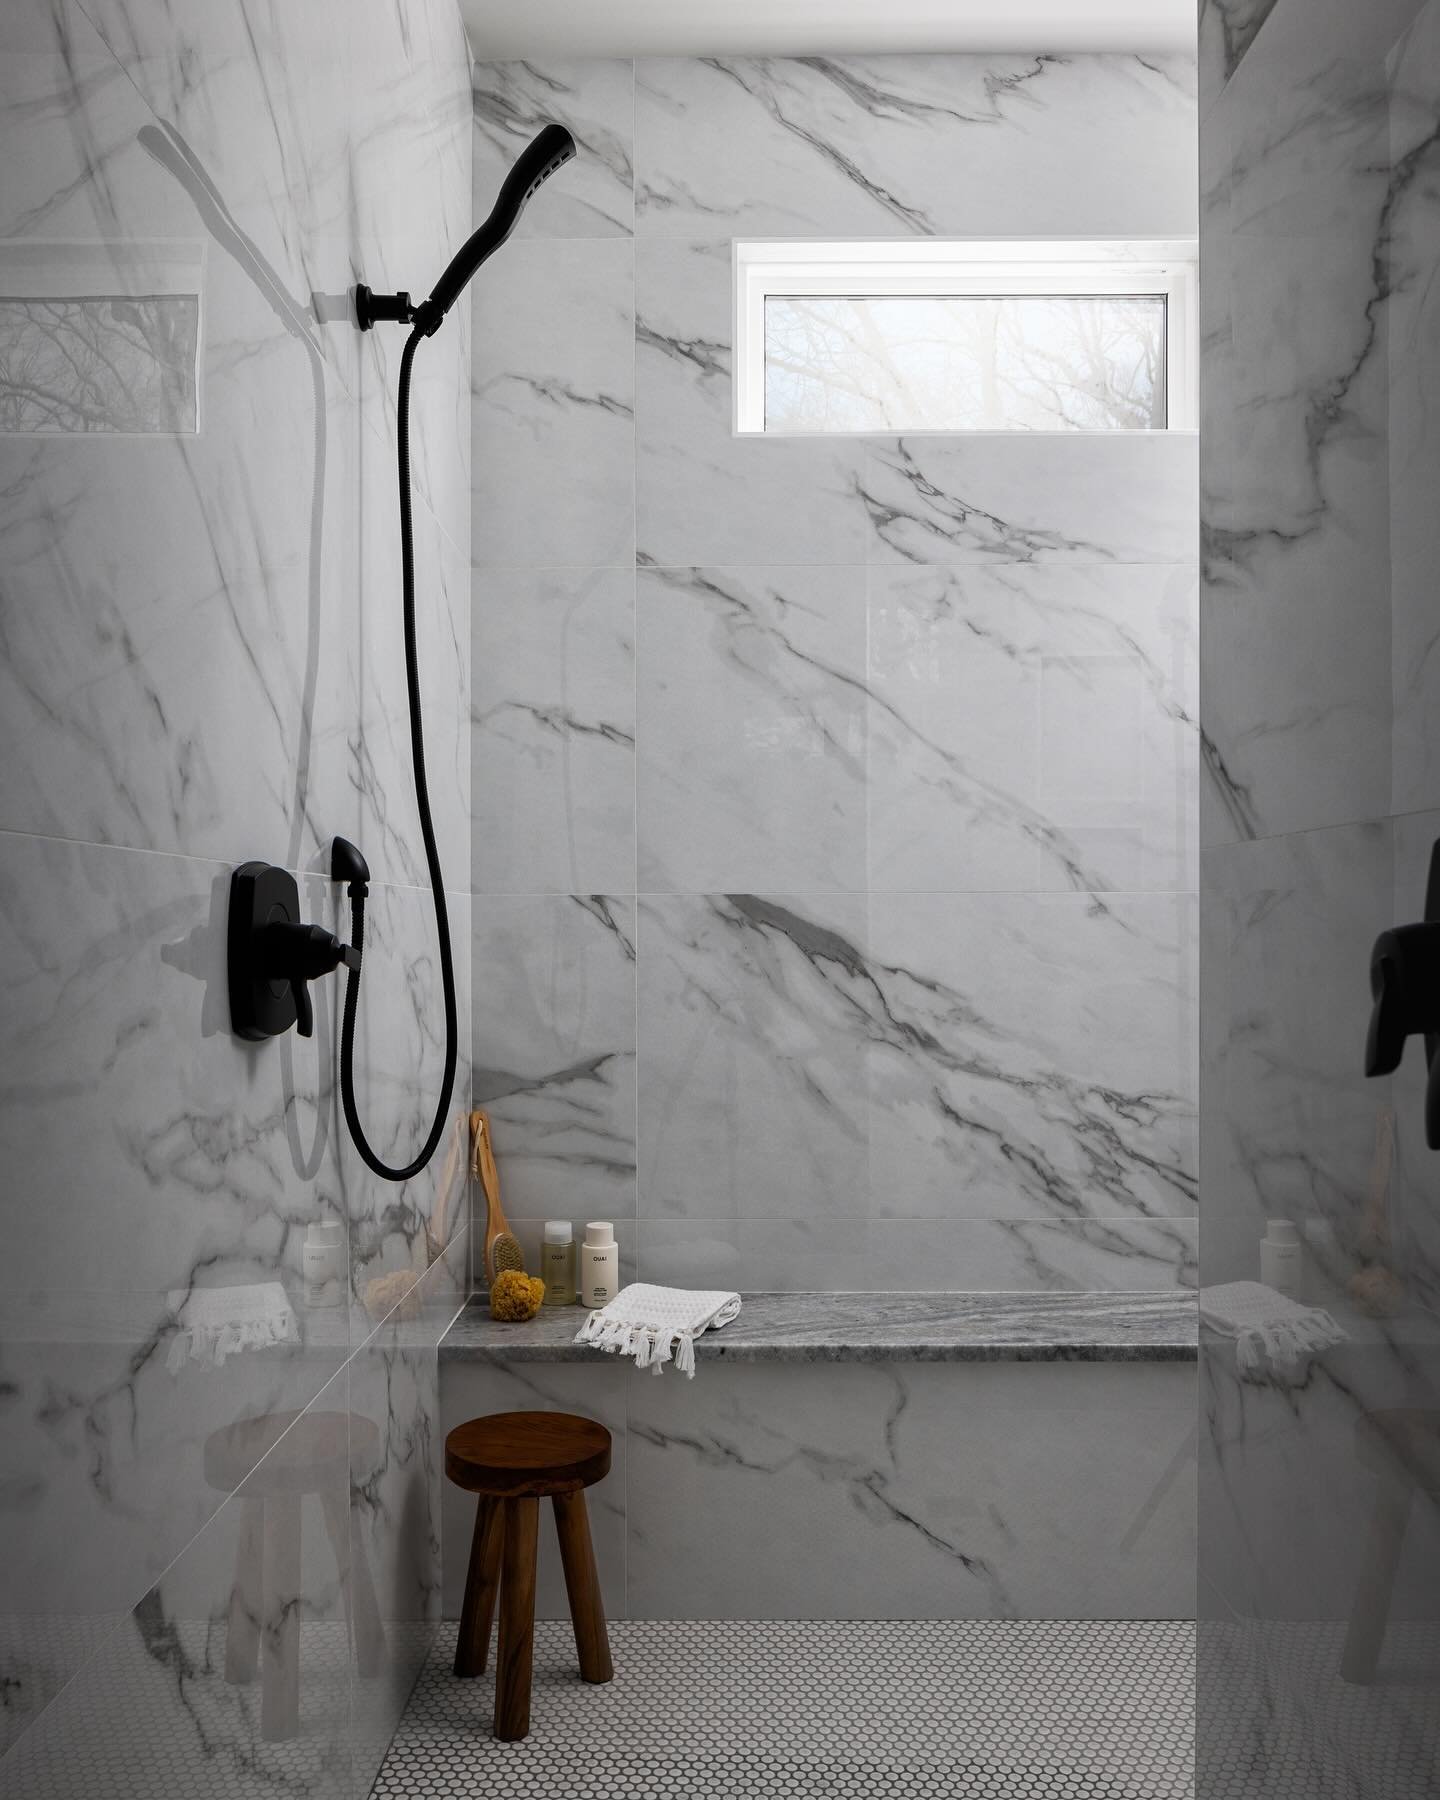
[483, 1165]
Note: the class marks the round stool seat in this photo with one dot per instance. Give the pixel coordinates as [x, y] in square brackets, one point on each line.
[508, 1455]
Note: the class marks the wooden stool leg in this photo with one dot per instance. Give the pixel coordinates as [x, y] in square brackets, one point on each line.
[517, 1619]
[482, 1578]
[242, 1637]
[280, 1638]
[582, 1584]
[1371, 1607]
[357, 1588]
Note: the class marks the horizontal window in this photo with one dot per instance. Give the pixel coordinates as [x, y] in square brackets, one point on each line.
[964, 337]
[100, 338]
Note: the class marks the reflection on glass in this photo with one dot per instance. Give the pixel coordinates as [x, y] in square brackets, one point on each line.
[965, 363]
[99, 364]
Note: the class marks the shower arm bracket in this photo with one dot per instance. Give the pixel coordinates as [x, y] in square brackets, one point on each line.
[372, 309]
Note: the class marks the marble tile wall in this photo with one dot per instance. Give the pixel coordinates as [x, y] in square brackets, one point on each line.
[202, 665]
[887, 1490]
[834, 850]
[1320, 238]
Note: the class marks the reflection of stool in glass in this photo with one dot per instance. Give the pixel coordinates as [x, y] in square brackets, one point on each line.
[270, 1464]
[1400, 1445]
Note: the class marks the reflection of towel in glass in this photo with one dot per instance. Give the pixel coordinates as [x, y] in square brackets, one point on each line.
[1270, 1331]
[213, 1323]
[653, 1323]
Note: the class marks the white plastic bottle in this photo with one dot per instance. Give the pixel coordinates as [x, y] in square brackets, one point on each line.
[599, 1264]
[1280, 1258]
[322, 1261]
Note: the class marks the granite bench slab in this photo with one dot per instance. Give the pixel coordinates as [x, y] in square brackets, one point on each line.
[824, 1328]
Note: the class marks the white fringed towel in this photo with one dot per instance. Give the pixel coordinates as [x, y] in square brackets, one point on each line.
[654, 1324]
[1269, 1329]
[213, 1323]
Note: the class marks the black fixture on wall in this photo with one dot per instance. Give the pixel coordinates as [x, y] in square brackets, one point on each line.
[273, 954]
[550, 150]
[1405, 987]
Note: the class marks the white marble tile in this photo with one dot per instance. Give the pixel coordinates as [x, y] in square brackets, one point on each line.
[752, 1019]
[920, 1255]
[211, 1157]
[703, 495]
[751, 729]
[1413, 248]
[1289, 1120]
[197, 628]
[1297, 661]
[554, 1051]
[917, 1056]
[934, 145]
[594, 98]
[183, 703]
[552, 739]
[1032, 727]
[384, 814]
[1030, 1056]
[945, 498]
[1227, 28]
[553, 381]
[996, 1491]
[233, 1668]
[396, 1435]
[410, 177]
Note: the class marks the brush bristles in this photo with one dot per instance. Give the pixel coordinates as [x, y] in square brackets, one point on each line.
[505, 1253]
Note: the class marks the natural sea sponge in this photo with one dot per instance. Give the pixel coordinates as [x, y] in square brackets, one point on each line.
[514, 1295]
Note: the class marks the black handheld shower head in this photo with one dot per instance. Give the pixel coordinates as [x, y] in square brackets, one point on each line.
[539, 160]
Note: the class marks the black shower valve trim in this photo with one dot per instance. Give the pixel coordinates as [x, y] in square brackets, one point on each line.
[274, 956]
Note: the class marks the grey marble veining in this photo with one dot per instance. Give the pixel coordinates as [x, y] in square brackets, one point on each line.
[834, 796]
[832, 1327]
[867, 146]
[1320, 237]
[202, 666]
[887, 1489]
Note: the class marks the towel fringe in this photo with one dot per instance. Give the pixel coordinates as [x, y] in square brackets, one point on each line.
[635, 1330]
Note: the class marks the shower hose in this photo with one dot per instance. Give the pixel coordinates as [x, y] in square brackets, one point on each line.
[357, 888]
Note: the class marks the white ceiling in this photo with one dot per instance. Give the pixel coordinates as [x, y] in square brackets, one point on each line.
[541, 28]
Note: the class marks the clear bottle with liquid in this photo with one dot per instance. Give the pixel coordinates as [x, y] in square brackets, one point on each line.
[557, 1263]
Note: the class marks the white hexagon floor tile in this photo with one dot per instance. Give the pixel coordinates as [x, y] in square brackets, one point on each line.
[934, 1710]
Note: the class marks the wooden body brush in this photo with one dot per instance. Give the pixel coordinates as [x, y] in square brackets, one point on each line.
[502, 1247]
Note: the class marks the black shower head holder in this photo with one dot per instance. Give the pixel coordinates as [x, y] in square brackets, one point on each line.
[551, 149]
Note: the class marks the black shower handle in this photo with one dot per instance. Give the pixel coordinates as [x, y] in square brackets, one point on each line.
[298, 954]
[1405, 991]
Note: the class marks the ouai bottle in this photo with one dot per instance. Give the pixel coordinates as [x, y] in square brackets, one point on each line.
[557, 1263]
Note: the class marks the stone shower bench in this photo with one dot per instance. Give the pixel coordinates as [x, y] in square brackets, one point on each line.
[875, 1328]
[871, 1456]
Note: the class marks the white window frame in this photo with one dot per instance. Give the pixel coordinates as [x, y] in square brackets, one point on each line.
[990, 267]
[97, 269]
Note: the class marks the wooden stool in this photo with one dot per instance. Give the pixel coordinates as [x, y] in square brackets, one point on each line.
[1401, 1446]
[271, 1463]
[513, 1461]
